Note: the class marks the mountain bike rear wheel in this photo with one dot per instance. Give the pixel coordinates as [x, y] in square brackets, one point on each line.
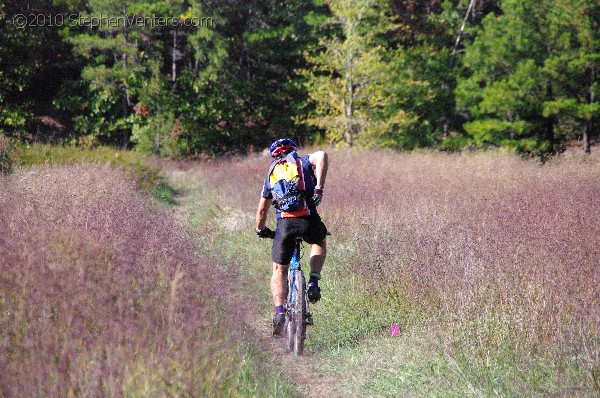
[298, 313]
[290, 326]
[290, 331]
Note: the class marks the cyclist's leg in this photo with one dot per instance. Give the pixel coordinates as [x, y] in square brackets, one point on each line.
[318, 253]
[278, 290]
[317, 259]
[316, 235]
[278, 281]
[283, 248]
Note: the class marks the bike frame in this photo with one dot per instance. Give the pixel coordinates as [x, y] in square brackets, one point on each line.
[293, 269]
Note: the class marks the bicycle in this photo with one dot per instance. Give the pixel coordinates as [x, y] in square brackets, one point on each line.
[297, 314]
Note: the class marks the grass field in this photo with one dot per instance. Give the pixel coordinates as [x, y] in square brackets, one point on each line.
[103, 293]
[489, 264]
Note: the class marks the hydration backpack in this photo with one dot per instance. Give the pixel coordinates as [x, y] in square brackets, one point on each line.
[287, 186]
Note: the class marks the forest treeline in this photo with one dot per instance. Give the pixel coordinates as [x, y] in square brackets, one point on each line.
[181, 77]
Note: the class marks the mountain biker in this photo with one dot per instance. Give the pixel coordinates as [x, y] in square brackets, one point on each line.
[312, 229]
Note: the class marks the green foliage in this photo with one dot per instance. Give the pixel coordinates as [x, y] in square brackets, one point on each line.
[530, 67]
[154, 118]
[381, 78]
[348, 77]
[165, 193]
[32, 61]
[424, 80]
[214, 77]
[153, 135]
[572, 65]
[113, 74]
[571, 107]
[455, 142]
[210, 47]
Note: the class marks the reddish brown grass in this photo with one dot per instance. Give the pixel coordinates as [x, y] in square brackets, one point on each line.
[501, 252]
[102, 296]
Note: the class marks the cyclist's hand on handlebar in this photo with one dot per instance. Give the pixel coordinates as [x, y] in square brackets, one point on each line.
[265, 233]
[318, 196]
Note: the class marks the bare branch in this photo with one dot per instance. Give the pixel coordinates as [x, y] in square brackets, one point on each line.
[462, 27]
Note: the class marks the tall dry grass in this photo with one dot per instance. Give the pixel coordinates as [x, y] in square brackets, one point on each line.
[500, 250]
[100, 295]
[502, 254]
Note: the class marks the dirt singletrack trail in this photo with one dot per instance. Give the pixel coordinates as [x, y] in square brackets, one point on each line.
[302, 370]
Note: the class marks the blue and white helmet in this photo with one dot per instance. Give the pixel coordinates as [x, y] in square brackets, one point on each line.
[282, 147]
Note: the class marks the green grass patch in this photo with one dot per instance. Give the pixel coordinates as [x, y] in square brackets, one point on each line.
[411, 365]
[165, 193]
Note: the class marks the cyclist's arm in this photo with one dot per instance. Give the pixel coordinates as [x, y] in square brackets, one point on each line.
[262, 212]
[320, 160]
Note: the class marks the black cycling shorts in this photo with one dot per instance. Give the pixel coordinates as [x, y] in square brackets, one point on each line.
[310, 227]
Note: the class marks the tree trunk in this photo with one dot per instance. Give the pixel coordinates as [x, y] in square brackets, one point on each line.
[348, 116]
[348, 108]
[551, 120]
[589, 99]
[586, 137]
[126, 100]
[125, 91]
[347, 122]
[349, 138]
[174, 64]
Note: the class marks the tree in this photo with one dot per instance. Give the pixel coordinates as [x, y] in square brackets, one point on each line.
[233, 88]
[15, 71]
[504, 93]
[532, 74]
[572, 66]
[348, 79]
[34, 62]
[426, 68]
[115, 65]
[180, 62]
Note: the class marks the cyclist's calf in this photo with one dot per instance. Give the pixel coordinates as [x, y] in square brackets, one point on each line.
[278, 283]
